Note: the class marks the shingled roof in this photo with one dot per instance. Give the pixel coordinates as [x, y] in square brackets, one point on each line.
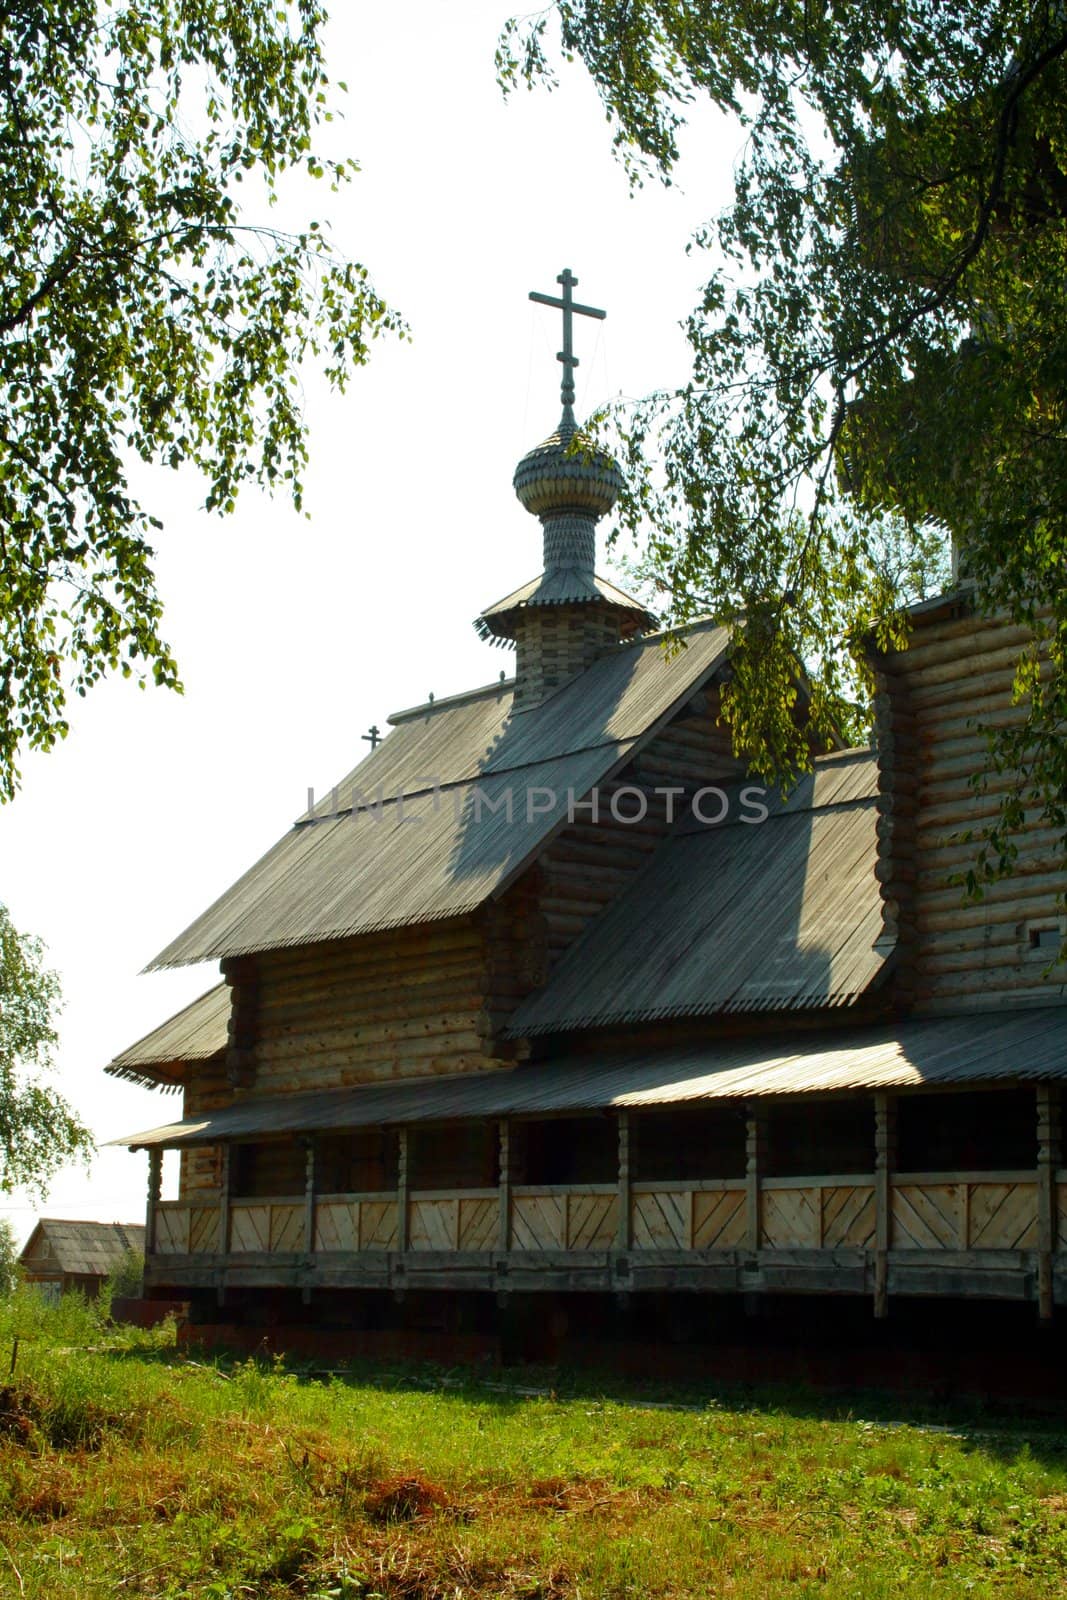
[81, 1249]
[785, 914]
[1022, 1046]
[197, 1032]
[420, 830]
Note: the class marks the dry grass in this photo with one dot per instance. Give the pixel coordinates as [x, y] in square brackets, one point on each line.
[133, 1473]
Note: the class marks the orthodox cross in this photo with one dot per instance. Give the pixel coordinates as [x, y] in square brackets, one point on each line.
[374, 737]
[568, 305]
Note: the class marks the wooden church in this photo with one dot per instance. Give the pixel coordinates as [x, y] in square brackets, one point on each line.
[547, 1002]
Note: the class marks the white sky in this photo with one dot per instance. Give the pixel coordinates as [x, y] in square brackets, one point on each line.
[294, 636]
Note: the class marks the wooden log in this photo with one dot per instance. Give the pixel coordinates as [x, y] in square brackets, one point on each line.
[328, 1032]
[411, 1044]
[930, 697]
[367, 951]
[991, 985]
[961, 643]
[1017, 891]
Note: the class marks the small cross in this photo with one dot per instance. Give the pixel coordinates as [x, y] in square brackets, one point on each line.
[568, 306]
[374, 737]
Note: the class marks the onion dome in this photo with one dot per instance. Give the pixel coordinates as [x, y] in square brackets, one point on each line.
[569, 484]
[568, 474]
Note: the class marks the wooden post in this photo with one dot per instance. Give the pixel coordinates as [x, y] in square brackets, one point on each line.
[963, 1214]
[1048, 1156]
[885, 1134]
[224, 1203]
[309, 1196]
[753, 1152]
[155, 1189]
[402, 1190]
[624, 1181]
[504, 1235]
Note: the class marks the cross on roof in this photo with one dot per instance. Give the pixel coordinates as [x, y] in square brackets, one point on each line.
[568, 305]
[374, 737]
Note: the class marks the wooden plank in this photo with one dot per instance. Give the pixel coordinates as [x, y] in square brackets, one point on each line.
[662, 1220]
[848, 1216]
[172, 1230]
[925, 1216]
[592, 1221]
[790, 1218]
[249, 1227]
[337, 1225]
[287, 1228]
[479, 1218]
[203, 1230]
[719, 1220]
[434, 1224]
[538, 1221]
[1003, 1216]
[379, 1225]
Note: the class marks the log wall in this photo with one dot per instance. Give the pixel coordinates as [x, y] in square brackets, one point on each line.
[384, 1006]
[941, 699]
[590, 862]
[207, 1089]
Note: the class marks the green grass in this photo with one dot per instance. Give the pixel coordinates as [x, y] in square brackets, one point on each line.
[126, 1469]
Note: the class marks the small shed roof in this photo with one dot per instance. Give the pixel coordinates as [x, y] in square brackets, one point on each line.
[81, 1249]
[1025, 1045]
[783, 914]
[421, 830]
[196, 1033]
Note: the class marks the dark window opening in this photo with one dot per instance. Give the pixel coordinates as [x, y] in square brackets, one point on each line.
[364, 1161]
[461, 1155]
[821, 1136]
[687, 1143]
[272, 1168]
[566, 1150]
[990, 1132]
[1045, 938]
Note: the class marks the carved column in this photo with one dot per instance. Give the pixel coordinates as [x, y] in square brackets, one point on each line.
[504, 1234]
[754, 1139]
[402, 1190]
[624, 1180]
[1048, 1159]
[885, 1137]
[155, 1189]
[309, 1196]
[224, 1202]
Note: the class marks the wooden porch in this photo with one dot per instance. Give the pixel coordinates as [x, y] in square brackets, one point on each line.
[993, 1233]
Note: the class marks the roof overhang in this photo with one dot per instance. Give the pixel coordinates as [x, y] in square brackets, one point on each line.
[1025, 1045]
